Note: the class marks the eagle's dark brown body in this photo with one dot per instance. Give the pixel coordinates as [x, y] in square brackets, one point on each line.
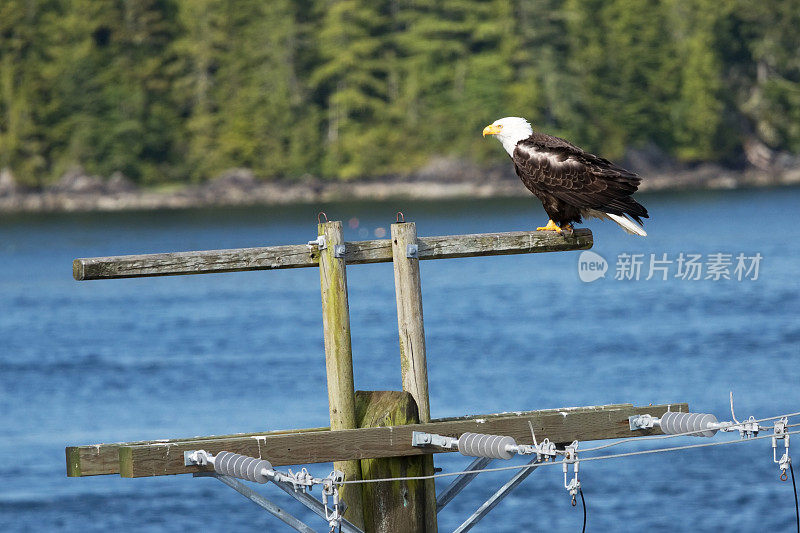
[572, 183]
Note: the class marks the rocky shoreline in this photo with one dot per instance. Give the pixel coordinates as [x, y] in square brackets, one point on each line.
[442, 179]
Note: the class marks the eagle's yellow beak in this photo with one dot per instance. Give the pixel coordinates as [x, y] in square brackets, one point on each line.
[492, 129]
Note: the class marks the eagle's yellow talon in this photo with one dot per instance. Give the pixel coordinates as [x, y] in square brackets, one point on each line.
[551, 226]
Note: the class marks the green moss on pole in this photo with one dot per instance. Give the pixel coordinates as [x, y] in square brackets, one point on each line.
[338, 355]
[397, 505]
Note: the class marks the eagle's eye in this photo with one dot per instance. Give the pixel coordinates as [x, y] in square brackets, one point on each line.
[499, 127]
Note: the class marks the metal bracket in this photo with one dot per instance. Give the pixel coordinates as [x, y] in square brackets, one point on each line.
[450, 492]
[296, 484]
[571, 457]
[641, 422]
[338, 250]
[319, 242]
[275, 510]
[412, 251]
[195, 458]
[544, 450]
[420, 439]
[501, 493]
[780, 433]
[747, 429]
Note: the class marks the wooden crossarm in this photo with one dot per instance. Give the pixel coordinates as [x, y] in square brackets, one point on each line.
[319, 445]
[103, 459]
[303, 255]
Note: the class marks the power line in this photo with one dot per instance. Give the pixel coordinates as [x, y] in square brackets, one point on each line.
[687, 433]
[595, 458]
[796, 508]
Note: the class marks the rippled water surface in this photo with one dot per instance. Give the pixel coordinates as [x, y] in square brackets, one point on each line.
[125, 360]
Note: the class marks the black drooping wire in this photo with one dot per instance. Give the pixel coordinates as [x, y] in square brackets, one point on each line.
[583, 504]
[796, 508]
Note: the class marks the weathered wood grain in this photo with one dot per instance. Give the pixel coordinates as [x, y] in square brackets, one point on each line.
[303, 255]
[181, 263]
[339, 357]
[103, 459]
[411, 330]
[561, 426]
[408, 294]
[509, 243]
[391, 506]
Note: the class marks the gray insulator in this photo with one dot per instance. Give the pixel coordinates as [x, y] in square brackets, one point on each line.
[480, 445]
[241, 466]
[696, 424]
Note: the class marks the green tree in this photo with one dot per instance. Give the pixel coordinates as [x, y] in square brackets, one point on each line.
[108, 106]
[265, 120]
[771, 98]
[625, 61]
[458, 60]
[199, 50]
[351, 78]
[697, 109]
[544, 85]
[185, 89]
[23, 89]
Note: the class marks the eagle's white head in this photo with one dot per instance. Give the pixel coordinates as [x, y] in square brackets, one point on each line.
[509, 131]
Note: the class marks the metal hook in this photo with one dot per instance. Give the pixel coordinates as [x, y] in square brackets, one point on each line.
[320, 215]
[780, 433]
[571, 457]
[401, 218]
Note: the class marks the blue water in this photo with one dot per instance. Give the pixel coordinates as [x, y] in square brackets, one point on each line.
[123, 360]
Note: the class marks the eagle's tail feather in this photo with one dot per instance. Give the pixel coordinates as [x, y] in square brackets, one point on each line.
[628, 225]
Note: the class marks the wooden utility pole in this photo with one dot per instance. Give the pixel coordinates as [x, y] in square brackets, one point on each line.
[338, 354]
[371, 433]
[391, 506]
[408, 291]
[413, 363]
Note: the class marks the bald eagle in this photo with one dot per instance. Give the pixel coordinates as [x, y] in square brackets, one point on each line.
[570, 183]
